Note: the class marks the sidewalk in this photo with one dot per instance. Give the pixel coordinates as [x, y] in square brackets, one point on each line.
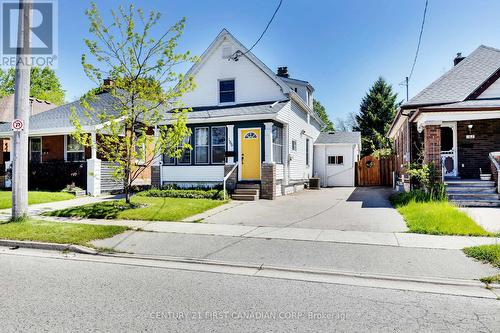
[38, 209]
[396, 239]
[322, 255]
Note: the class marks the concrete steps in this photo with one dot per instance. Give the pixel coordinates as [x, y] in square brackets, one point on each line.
[246, 192]
[472, 192]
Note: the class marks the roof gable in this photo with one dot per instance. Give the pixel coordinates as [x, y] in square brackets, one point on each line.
[462, 80]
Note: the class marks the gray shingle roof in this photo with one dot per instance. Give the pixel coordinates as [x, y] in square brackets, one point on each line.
[234, 110]
[339, 137]
[59, 117]
[470, 104]
[461, 80]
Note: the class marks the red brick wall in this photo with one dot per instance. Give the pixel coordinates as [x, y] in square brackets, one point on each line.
[432, 144]
[473, 153]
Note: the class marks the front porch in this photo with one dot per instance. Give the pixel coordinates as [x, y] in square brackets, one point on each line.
[461, 148]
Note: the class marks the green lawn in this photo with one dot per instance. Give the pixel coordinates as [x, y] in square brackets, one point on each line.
[54, 232]
[438, 218]
[486, 253]
[142, 208]
[34, 197]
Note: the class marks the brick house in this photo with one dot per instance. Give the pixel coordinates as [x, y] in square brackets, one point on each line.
[455, 123]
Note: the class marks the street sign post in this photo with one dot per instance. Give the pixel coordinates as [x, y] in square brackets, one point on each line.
[17, 125]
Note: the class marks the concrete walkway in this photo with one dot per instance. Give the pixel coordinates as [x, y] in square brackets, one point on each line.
[38, 209]
[486, 217]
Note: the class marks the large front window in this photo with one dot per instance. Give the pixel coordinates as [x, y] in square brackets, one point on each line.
[186, 153]
[218, 145]
[201, 145]
[226, 91]
[75, 152]
[277, 144]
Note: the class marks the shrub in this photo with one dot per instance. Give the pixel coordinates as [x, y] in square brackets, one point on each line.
[428, 179]
[178, 193]
[418, 195]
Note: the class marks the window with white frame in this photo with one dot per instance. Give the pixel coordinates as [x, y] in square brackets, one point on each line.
[336, 160]
[201, 145]
[294, 145]
[226, 91]
[75, 152]
[218, 144]
[277, 144]
[185, 158]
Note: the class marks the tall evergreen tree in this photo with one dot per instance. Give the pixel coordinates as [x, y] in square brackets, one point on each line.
[320, 110]
[376, 113]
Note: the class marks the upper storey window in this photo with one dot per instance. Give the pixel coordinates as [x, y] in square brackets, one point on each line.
[226, 91]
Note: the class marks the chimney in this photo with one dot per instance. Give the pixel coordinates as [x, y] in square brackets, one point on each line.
[458, 58]
[108, 82]
[283, 71]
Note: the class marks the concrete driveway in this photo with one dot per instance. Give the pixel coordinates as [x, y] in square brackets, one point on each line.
[340, 208]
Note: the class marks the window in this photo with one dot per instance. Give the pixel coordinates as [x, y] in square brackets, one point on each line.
[226, 52]
[219, 145]
[277, 144]
[226, 91]
[75, 151]
[201, 145]
[294, 145]
[167, 160]
[36, 150]
[307, 152]
[336, 160]
[186, 153]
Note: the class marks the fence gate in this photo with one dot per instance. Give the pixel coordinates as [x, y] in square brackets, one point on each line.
[373, 171]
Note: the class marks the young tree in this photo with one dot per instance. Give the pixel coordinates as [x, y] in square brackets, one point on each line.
[44, 84]
[320, 110]
[376, 113]
[144, 88]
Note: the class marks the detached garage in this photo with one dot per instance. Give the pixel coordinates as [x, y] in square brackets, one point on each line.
[335, 155]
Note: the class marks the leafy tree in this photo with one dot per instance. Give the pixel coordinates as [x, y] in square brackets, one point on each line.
[347, 123]
[320, 110]
[44, 84]
[144, 88]
[376, 113]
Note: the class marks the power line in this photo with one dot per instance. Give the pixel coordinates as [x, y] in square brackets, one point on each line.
[419, 40]
[239, 53]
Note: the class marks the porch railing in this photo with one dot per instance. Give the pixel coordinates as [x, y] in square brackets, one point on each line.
[226, 177]
[494, 156]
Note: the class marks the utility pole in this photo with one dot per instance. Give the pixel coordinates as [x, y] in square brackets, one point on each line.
[22, 113]
[407, 88]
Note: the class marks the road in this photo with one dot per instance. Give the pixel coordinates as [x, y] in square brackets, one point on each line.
[46, 292]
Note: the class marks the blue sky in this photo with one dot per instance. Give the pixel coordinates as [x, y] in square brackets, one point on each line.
[341, 47]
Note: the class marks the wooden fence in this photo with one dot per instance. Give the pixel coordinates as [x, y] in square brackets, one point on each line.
[373, 171]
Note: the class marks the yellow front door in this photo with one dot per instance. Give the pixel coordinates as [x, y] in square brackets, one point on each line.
[250, 154]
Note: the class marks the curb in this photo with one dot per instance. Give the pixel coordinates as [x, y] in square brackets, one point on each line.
[48, 246]
[403, 278]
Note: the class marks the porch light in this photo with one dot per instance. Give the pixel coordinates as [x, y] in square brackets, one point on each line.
[470, 128]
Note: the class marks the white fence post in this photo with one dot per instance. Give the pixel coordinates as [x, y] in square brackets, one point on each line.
[94, 177]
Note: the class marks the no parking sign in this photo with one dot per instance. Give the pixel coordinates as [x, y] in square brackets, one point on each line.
[17, 125]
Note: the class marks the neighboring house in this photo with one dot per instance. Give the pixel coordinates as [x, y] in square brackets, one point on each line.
[247, 118]
[7, 115]
[335, 157]
[455, 121]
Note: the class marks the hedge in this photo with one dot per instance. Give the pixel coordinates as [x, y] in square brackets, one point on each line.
[178, 193]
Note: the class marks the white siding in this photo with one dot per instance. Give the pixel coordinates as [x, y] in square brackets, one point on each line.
[251, 83]
[492, 91]
[335, 175]
[297, 121]
[190, 173]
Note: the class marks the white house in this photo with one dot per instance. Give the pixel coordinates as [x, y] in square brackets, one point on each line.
[335, 157]
[249, 124]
